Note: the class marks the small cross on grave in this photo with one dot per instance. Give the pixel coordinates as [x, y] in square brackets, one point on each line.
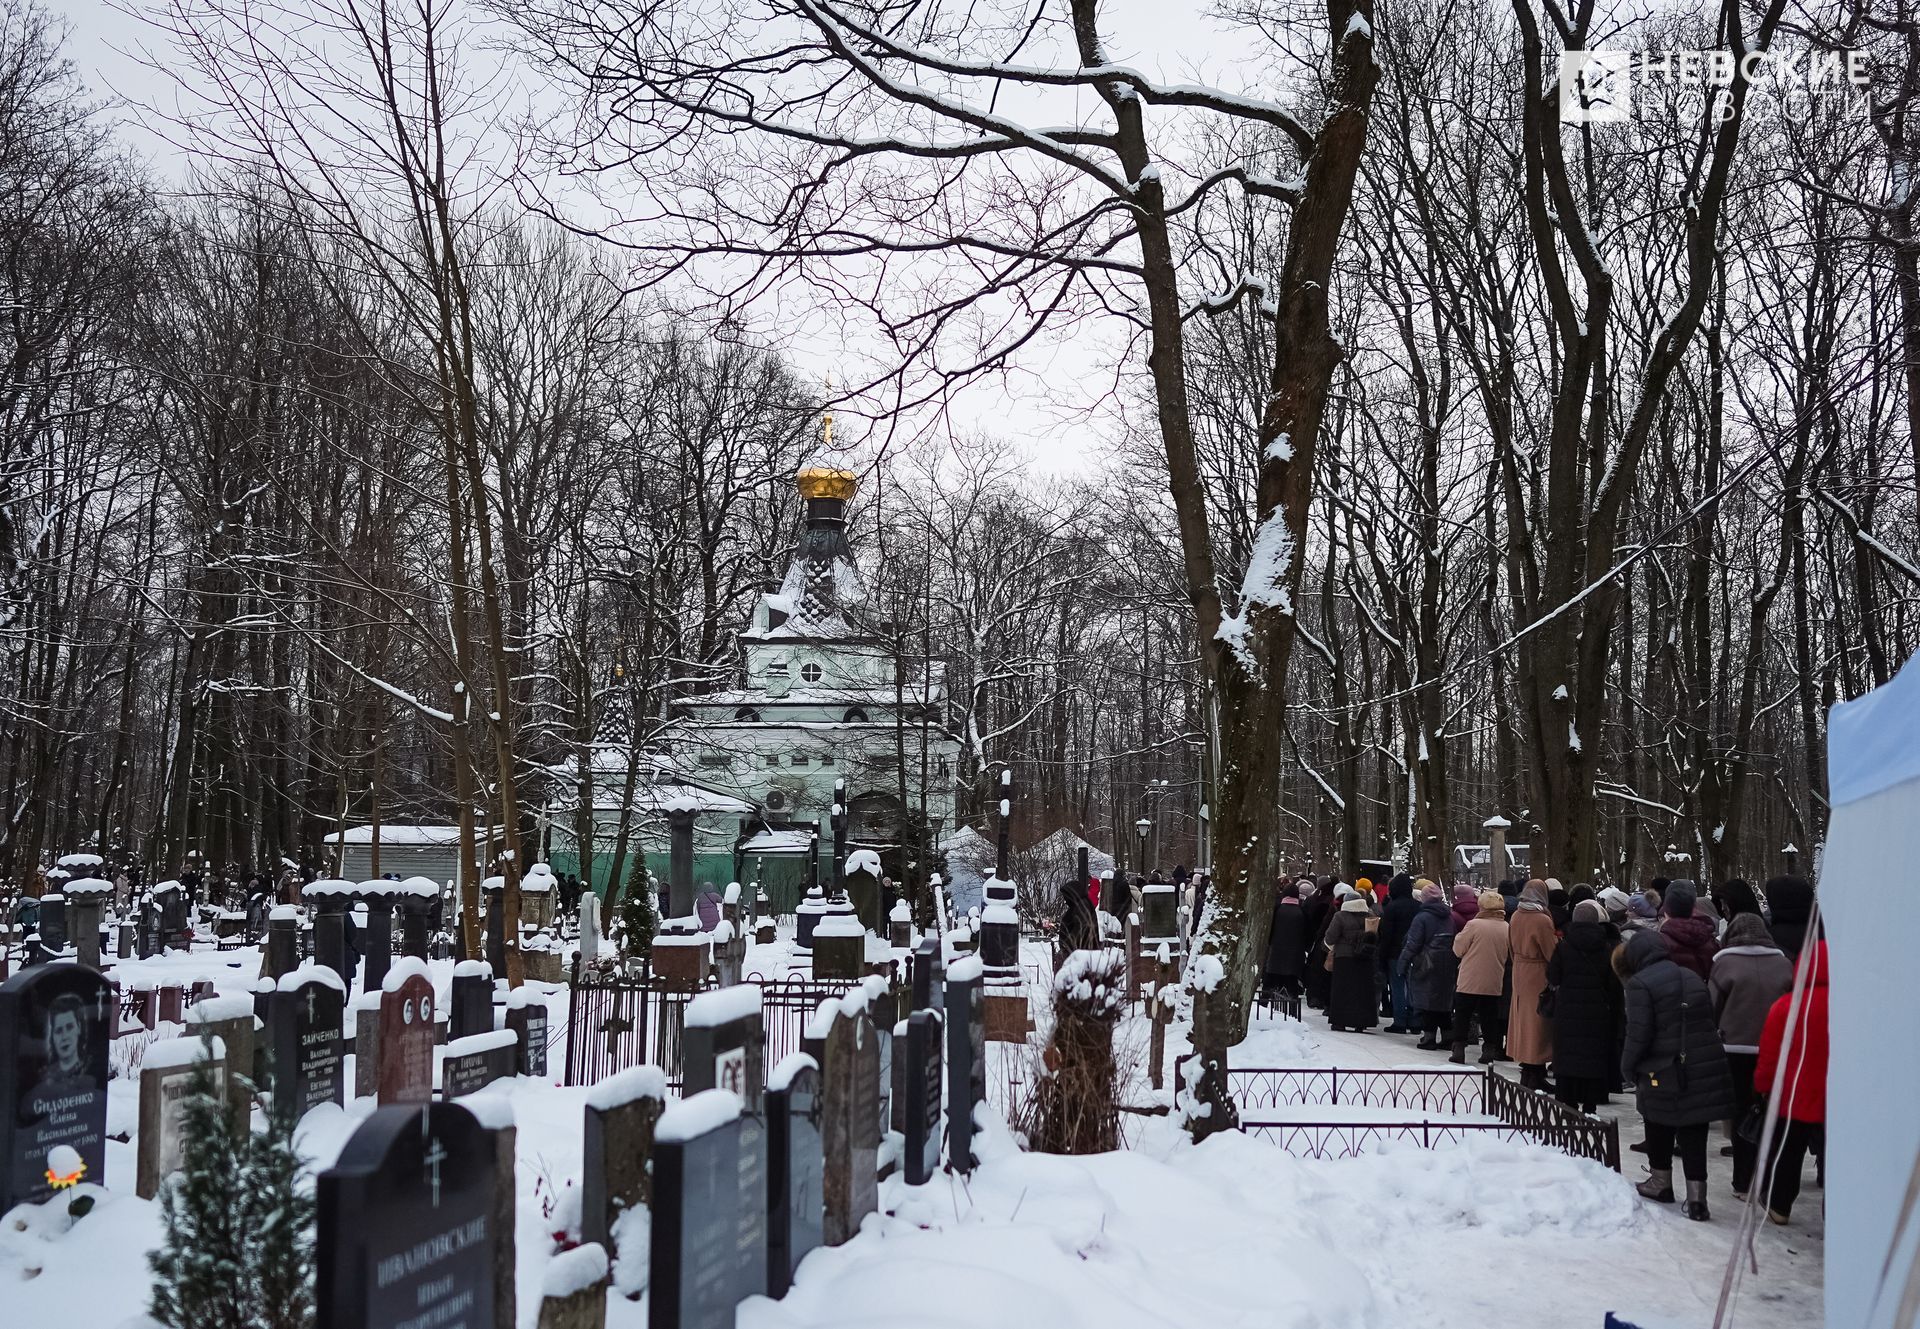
[435, 1156]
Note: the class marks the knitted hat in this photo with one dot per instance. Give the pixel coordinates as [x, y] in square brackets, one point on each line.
[1680, 898]
[1493, 904]
[1428, 891]
[1640, 907]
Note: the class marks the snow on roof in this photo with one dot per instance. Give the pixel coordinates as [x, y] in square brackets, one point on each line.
[88, 886]
[329, 886]
[399, 835]
[779, 842]
[79, 861]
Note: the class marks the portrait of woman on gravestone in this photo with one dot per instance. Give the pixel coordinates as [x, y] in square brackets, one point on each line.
[66, 1070]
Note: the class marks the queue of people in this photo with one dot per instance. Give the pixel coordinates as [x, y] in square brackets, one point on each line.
[1689, 1003]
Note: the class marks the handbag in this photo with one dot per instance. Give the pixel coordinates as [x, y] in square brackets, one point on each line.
[1754, 1124]
[1668, 1085]
[1549, 999]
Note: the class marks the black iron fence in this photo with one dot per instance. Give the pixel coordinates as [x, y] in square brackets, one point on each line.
[1442, 1106]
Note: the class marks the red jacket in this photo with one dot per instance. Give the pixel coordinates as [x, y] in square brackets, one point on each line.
[1803, 1094]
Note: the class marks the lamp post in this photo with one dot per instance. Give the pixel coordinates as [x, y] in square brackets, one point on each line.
[1142, 828]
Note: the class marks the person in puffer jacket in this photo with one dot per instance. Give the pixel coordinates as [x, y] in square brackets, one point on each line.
[1801, 1103]
[1678, 1065]
[1749, 974]
[1690, 937]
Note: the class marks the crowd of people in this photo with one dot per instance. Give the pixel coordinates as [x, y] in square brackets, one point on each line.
[1702, 1008]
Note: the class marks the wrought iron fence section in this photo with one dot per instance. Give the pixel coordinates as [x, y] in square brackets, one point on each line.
[1545, 1120]
[1459, 1093]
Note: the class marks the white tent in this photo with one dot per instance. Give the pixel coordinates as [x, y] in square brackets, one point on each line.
[1873, 1077]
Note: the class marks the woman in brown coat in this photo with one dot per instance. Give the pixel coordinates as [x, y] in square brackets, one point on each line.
[1532, 938]
[1482, 949]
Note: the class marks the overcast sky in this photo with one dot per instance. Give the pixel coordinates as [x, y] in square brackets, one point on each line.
[1174, 39]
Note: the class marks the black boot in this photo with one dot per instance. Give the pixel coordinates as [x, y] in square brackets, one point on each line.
[1459, 1057]
[1696, 1207]
[1428, 1042]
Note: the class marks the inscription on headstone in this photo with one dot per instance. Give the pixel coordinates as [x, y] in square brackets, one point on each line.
[796, 1164]
[309, 1042]
[709, 1247]
[406, 1034]
[925, 1089]
[167, 1073]
[527, 1018]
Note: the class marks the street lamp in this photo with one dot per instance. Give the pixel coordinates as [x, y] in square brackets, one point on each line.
[1141, 828]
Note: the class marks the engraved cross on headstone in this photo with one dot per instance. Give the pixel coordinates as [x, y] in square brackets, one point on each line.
[435, 1156]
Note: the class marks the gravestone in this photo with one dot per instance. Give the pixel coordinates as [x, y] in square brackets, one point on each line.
[527, 1018]
[407, 1232]
[926, 1089]
[377, 938]
[123, 941]
[796, 1162]
[806, 917]
[231, 1020]
[53, 929]
[966, 1059]
[282, 955]
[476, 1061]
[929, 976]
[589, 928]
[54, 1031]
[496, 927]
[86, 906]
[851, 1105]
[417, 896]
[863, 888]
[167, 1072]
[724, 1044]
[573, 1289]
[309, 1042]
[330, 899]
[709, 1246]
[471, 1001]
[839, 944]
[405, 1069]
[617, 1150]
[365, 1010]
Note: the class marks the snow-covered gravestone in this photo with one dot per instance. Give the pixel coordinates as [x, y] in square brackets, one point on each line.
[309, 1041]
[472, 1000]
[407, 1230]
[86, 903]
[282, 954]
[796, 1161]
[404, 1061]
[573, 1289]
[167, 1073]
[589, 928]
[527, 1018]
[616, 1158]
[330, 898]
[709, 1242]
[724, 1044]
[925, 1087]
[364, 1011]
[55, 1023]
[850, 1089]
[966, 1058]
[230, 1020]
[476, 1061]
[863, 888]
[377, 939]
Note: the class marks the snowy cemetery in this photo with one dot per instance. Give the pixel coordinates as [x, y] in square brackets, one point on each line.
[827, 1117]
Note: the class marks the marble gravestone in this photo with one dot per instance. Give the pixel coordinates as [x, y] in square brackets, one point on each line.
[406, 1040]
[308, 1041]
[796, 1165]
[55, 1024]
[527, 1018]
[407, 1227]
[709, 1245]
[168, 1071]
[850, 1090]
[476, 1061]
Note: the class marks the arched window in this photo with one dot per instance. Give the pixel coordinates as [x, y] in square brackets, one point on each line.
[747, 715]
[810, 672]
[855, 716]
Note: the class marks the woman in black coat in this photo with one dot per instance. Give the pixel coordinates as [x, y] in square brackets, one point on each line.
[1678, 1065]
[1396, 916]
[1587, 1005]
[1791, 900]
[1350, 940]
[1287, 941]
[1317, 980]
[1428, 961]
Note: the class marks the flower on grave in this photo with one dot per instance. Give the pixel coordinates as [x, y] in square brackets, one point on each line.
[65, 1167]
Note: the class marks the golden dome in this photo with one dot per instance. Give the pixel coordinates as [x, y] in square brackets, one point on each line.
[822, 481]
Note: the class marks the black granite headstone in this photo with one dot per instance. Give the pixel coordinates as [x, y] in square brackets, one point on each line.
[471, 1008]
[53, 926]
[377, 941]
[529, 1025]
[929, 976]
[709, 1219]
[309, 1045]
[467, 1070]
[727, 1053]
[925, 1091]
[55, 1024]
[796, 1167]
[496, 937]
[330, 936]
[416, 917]
[966, 1065]
[406, 1219]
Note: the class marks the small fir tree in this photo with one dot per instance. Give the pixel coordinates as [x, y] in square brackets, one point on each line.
[278, 1214]
[200, 1269]
[639, 919]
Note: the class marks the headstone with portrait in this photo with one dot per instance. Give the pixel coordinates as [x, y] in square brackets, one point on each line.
[54, 1030]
